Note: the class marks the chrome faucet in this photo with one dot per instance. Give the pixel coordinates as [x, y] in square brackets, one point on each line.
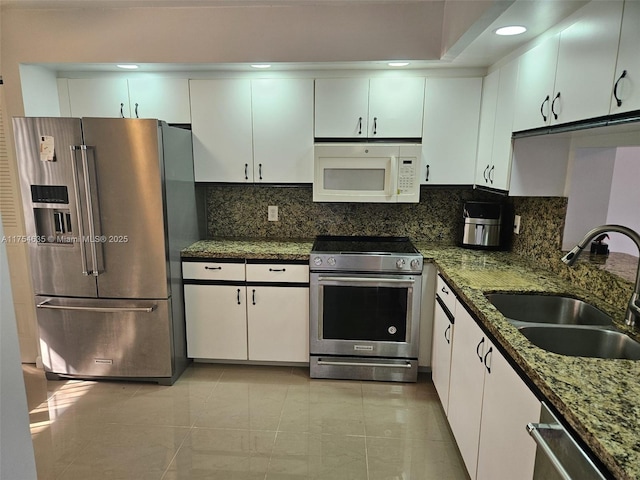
[632, 316]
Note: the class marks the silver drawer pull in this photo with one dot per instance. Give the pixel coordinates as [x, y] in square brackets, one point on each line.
[46, 304]
[212, 268]
[277, 269]
[362, 364]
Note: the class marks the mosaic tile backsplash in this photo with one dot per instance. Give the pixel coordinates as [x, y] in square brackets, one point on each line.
[240, 211]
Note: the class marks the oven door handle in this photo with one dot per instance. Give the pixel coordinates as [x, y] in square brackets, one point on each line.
[404, 281]
[367, 364]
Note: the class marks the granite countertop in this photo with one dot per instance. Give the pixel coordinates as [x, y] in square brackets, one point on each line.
[599, 398]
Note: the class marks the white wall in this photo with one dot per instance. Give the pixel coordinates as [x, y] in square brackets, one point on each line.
[16, 449]
[624, 201]
[39, 91]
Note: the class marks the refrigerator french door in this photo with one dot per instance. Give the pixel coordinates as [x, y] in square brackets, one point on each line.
[104, 233]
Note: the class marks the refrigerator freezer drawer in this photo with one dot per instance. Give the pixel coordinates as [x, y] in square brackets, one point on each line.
[105, 338]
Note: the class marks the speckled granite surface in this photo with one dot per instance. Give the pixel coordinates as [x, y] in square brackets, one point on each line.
[599, 398]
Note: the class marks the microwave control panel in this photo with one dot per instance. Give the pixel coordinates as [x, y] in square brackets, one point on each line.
[406, 175]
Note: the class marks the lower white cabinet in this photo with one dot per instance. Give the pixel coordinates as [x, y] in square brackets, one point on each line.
[489, 406]
[443, 326]
[262, 315]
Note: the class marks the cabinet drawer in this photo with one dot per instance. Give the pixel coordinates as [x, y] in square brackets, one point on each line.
[277, 272]
[446, 295]
[213, 271]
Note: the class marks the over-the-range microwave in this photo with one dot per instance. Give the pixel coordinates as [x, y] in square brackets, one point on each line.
[364, 172]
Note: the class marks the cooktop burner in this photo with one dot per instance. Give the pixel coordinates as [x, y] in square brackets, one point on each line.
[344, 244]
[366, 254]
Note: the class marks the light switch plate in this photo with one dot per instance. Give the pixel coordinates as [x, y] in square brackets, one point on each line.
[272, 214]
[516, 225]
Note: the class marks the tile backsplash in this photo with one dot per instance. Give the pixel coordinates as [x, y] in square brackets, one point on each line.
[240, 211]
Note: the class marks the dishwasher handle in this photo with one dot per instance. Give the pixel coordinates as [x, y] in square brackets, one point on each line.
[534, 431]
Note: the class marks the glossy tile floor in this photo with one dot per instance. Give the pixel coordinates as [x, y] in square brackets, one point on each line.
[240, 422]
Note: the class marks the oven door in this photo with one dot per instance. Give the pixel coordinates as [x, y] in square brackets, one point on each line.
[373, 315]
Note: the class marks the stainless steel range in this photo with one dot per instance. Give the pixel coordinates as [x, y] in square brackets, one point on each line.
[365, 308]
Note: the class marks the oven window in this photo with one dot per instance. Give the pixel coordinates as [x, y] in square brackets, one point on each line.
[365, 313]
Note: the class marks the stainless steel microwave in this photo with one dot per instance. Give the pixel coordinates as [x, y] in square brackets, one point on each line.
[363, 172]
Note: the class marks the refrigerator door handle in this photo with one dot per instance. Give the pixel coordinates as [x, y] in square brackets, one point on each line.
[47, 304]
[76, 191]
[93, 236]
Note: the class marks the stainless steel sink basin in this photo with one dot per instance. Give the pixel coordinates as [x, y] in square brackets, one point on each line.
[583, 342]
[554, 309]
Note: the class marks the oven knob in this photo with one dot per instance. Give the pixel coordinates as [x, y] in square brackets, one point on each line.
[331, 261]
[400, 263]
[317, 261]
[415, 264]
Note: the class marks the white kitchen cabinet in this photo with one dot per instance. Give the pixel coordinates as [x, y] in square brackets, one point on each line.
[252, 130]
[141, 97]
[233, 313]
[282, 114]
[586, 63]
[222, 133]
[450, 130]
[466, 386]
[627, 89]
[369, 108]
[506, 449]
[99, 97]
[162, 98]
[534, 91]
[489, 406]
[493, 165]
[443, 329]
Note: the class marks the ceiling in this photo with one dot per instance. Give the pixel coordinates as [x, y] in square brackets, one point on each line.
[436, 33]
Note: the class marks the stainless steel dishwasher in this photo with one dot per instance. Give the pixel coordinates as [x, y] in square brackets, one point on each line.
[559, 456]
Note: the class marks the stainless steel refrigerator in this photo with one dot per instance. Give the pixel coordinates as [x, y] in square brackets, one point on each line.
[109, 203]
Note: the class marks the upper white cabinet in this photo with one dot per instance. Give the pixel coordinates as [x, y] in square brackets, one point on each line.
[450, 130]
[493, 166]
[252, 130]
[626, 92]
[141, 97]
[586, 63]
[369, 108]
[534, 92]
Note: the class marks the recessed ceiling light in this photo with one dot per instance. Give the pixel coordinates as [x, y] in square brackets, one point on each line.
[261, 65]
[398, 64]
[128, 66]
[511, 30]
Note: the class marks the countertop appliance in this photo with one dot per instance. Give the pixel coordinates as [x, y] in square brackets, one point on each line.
[109, 203]
[365, 172]
[365, 295]
[483, 225]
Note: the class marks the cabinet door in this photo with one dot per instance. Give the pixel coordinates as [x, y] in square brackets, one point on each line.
[586, 63]
[221, 127]
[162, 98]
[99, 97]
[534, 91]
[506, 449]
[628, 88]
[282, 130]
[277, 333]
[500, 171]
[441, 354]
[487, 127]
[396, 107]
[466, 386]
[341, 107]
[450, 130]
[216, 321]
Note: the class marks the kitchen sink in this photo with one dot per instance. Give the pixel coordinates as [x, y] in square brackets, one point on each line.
[583, 342]
[547, 309]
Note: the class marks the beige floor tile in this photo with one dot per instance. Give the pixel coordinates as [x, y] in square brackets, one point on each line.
[329, 418]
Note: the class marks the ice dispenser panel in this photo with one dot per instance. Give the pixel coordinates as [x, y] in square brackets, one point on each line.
[53, 224]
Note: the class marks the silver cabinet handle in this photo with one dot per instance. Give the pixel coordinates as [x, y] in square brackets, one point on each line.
[238, 296]
[486, 180]
[478, 349]
[359, 125]
[489, 352]
[615, 88]
[546, 100]
[445, 291]
[206, 267]
[427, 177]
[137, 111]
[277, 269]
[447, 330]
[260, 171]
[46, 304]
[375, 125]
[493, 167]
[122, 110]
[253, 296]
[246, 171]
[553, 104]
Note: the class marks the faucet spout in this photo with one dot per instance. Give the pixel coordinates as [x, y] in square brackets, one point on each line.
[633, 310]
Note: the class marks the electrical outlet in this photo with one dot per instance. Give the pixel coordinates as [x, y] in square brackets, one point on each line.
[516, 225]
[272, 214]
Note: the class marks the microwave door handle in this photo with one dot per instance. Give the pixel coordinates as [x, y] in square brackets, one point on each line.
[391, 189]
